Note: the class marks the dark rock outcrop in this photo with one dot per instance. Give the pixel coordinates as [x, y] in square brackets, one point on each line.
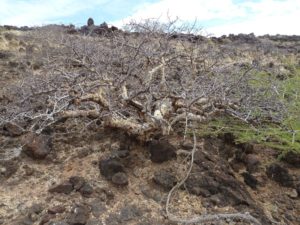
[90, 22]
[165, 179]
[161, 151]
[37, 146]
[280, 175]
[77, 182]
[13, 130]
[65, 188]
[250, 180]
[79, 215]
[109, 167]
[293, 159]
[120, 178]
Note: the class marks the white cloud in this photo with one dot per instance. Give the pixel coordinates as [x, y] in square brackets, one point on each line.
[188, 10]
[36, 12]
[260, 17]
[216, 16]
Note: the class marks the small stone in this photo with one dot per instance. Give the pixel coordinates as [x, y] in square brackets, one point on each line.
[130, 212]
[121, 154]
[120, 179]
[36, 208]
[229, 138]
[79, 216]
[293, 194]
[46, 218]
[98, 207]
[13, 130]
[86, 190]
[9, 168]
[105, 194]
[252, 163]
[187, 145]
[77, 182]
[2, 170]
[165, 179]
[28, 170]
[65, 188]
[151, 193]
[56, 209]
[109, 167]
[26, 221]
[280, 175]
[114, 147]
[37, 146]
[250, 180]
[293, 159]
[161, 151]
[246, 147]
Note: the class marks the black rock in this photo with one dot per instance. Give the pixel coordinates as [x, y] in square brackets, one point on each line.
[65, 188]
[86, 190]
[229, 138]
[36, 208]
[56, 209]
[13, 130]
[130, 212]
[109, 167]
[77, 182]
[90, 22]
[161, 151]
[246, 147]
[293, 159]
[280, 175]
[120, 178]
[8, 168]
[37, 146]
[252, 163]
[103, 25]
[121, 154]
[250, 180]
[79, 216]
[113, 28]
[26, 221]
[46, 218]
[165, 179]
[98, 207]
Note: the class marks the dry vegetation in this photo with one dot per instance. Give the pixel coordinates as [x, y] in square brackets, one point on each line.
[154, 81]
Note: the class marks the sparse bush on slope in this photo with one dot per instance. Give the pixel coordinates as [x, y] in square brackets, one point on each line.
[149, 81]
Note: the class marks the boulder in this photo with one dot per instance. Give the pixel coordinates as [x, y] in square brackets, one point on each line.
[37, 146]
[280, 175]
[161, 151]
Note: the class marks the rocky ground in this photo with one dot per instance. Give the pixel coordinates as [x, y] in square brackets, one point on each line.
[106, 178]
[74, 174]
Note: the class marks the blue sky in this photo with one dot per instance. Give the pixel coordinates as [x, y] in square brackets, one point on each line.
[217, 17]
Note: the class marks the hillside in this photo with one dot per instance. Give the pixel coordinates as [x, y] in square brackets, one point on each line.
[150, 125]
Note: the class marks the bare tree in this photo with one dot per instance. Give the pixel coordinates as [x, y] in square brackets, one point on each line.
[152, 79]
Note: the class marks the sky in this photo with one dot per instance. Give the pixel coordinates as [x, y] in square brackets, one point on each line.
[215, 17]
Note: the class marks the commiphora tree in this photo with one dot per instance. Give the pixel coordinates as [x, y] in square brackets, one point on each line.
[150, 81]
